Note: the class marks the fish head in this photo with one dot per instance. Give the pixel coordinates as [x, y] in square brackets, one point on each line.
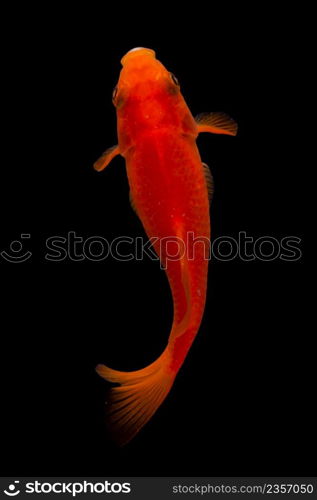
[148, 97]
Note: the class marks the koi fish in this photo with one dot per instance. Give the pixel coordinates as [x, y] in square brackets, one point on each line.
[170, 190]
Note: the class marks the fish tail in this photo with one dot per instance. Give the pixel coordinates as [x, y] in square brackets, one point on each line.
[136, 399]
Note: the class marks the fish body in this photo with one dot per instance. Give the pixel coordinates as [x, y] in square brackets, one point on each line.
[170, 190]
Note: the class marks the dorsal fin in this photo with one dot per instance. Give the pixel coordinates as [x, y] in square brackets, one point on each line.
[209, 181]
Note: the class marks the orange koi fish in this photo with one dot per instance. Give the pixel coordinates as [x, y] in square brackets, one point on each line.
[170, 190]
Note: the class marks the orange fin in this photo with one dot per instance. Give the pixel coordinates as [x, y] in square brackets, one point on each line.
[216, 123]
[209, 181]
[134, 402]
[106, 158]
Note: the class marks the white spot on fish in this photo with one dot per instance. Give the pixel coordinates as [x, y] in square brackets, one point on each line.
[136, 48]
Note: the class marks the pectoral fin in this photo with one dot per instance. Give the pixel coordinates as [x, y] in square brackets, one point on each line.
[106, 158]
[209, 181]
[216, 123]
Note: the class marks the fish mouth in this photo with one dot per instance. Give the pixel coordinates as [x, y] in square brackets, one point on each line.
[137, 52]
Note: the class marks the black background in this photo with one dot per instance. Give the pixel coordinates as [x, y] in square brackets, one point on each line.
[242, 403]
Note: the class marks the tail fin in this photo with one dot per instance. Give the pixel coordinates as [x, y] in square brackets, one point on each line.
[141, 392]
